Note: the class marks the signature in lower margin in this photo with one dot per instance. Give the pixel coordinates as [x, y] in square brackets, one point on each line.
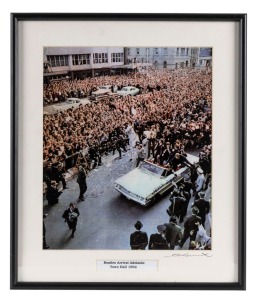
[189, 255]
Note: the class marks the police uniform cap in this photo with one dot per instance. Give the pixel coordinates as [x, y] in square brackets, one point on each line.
[195, 210]
[173, 219]
[161, 227]
[200, 171]
[177, 191]
[201, 195]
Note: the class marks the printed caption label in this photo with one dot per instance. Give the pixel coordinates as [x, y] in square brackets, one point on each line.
[127, 265]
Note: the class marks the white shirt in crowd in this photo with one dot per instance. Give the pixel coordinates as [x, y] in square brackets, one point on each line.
[200, 182]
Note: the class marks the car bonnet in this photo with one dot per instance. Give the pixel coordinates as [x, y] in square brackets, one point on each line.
[142, 183]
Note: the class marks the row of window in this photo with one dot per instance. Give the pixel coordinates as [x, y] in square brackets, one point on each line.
[83, 59]
[58, 60]
[166, 51]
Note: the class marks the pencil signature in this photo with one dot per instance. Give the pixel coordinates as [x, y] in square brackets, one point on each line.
[189, 255]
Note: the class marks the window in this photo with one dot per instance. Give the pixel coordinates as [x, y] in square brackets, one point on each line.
[100, 58]
[165, 51]
[177, 51]
[116, 57]
[182, 51]
[187, 51]
[147, 51]
[156, 51]
[81, 59]
[58, 60]
[205, 52]
[137, 50]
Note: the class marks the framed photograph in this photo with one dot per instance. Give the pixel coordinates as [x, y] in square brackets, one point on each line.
[128, 151]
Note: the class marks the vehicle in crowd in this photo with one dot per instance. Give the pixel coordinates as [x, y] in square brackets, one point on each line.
[128, 90]
[149, 182]
[101, 93]
[69, 103]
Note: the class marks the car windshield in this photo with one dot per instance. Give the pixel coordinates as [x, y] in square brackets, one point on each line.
[125, 89]
[152, 168]
[103, 87]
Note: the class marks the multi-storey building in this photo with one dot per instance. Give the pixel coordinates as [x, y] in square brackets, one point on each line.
[204, 57]
[161, 57]
[81, 62]
[170, 58]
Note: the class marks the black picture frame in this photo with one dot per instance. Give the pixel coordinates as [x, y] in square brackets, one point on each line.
[241, 19]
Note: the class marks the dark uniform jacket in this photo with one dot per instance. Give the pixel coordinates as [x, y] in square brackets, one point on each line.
[138, 240]
[157, 242]
[81, 177]
[173, 233]
[203, 206]
[191, 223]
[187, 186]
[177, 206]
[52, 194]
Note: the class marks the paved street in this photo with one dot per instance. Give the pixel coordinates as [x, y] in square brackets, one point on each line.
[106, 217]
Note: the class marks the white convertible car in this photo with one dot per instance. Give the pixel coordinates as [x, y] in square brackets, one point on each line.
[148, 182]
[128, 90]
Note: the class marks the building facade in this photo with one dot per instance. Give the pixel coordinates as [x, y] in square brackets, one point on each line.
[82, 62]
[170, 58]
[161, 57]
[204, 57]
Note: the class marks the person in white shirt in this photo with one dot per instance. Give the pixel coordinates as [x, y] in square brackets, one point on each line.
[132, 139]
[145, 144]
[151, 141]
[199, 182]
[141, 155]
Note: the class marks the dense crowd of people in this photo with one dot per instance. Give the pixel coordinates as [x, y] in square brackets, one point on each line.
[177, 116]
[60, 90]
[171, 115]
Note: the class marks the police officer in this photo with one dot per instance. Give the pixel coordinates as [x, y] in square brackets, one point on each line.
[157, 241]
[173, 233]
[81, 180]
[186, 187]
[191, 226]
[60, 176]
[53, 193]
[178, 205]
[138, 239]
[203, 207]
